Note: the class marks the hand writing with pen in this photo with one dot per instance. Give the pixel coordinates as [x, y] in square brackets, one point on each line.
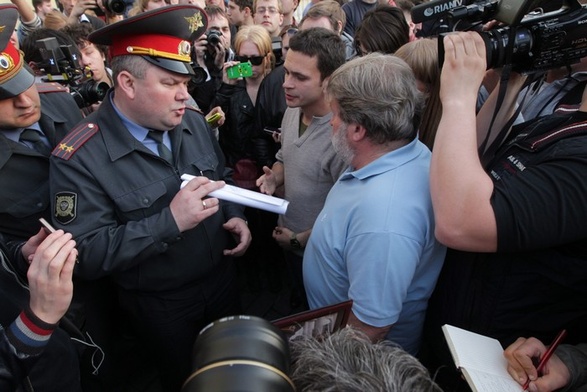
[535, 366]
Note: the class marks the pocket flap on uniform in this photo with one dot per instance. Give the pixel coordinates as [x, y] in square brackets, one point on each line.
[141, 198]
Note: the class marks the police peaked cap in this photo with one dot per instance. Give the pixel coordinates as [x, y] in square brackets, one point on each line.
[15, 76]
[161, 36]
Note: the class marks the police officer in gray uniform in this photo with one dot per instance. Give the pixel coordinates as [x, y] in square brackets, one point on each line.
[115, 184]
[33, 118]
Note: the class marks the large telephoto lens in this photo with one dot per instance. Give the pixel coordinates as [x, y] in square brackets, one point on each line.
[240, 353]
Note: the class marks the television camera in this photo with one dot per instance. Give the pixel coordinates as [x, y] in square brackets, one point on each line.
[533, 36]
[61, 64]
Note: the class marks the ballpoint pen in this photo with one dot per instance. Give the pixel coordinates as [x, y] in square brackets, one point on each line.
[559, 338]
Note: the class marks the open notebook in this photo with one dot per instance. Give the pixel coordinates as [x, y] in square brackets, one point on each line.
[480, 359]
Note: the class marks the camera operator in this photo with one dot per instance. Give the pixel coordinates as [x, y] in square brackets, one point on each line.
[515, 225]
[93, 56]
[211, 51]
[75, 10]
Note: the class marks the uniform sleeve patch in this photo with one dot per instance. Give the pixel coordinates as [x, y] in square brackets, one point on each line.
[65, 207]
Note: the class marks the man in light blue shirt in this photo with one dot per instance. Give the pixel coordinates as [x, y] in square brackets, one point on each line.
[373, 241]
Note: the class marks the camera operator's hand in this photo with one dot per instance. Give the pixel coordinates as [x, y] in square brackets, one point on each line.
[225, 78]
[463, 69]
[79, 8]
[200, 48]
[218, 53]
[492, 24]
[109, 16]
[461, 197]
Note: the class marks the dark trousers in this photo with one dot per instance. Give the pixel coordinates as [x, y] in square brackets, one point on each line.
[168, 322]
[298, 300]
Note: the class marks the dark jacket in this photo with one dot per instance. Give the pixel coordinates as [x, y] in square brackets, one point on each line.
[236, 134]
[26, 198]
[27, 171]
[115, 195]
[269, 108]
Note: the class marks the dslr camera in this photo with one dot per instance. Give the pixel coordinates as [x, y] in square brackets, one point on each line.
[61, 64]
[213, 37]
[115, 6]
[534, 38]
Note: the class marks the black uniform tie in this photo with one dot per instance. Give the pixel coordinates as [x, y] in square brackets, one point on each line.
[162, 149]
[33, 137]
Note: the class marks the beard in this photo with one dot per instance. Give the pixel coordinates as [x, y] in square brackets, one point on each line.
[341, 146]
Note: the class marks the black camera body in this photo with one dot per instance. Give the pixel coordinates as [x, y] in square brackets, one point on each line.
[532, 41]
[61, 64]
[539, 45]
[115, 6]
[213, 37]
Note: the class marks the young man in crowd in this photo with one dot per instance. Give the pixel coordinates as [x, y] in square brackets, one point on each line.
[307, 164]
[269, 14]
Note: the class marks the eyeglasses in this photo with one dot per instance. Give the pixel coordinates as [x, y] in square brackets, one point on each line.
[271, 10]
[255, 60]
[292, 31]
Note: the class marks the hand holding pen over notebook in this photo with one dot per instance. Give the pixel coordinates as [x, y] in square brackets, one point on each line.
[530, 361]
[246, 197]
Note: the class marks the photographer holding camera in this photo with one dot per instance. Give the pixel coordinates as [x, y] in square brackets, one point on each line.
[515, 224]
[211, 51]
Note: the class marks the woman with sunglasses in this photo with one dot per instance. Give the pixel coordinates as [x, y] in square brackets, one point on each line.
[237, 97]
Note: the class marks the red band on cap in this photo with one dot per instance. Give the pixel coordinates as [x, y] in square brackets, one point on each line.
[10, 62]
[164, 46]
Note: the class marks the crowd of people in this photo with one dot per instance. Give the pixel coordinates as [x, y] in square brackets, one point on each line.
[428, 187]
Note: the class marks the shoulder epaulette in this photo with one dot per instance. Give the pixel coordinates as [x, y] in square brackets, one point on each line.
[74, 140]
[50, 87]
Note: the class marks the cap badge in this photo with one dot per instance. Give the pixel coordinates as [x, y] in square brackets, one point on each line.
[2, 28]
[184, 48]
[194, 22]
[6, 63]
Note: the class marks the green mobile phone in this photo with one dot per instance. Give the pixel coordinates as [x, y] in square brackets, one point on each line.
[213, 120]
[242, 70]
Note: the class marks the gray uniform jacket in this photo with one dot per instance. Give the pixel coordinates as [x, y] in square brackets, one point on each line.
[24, 173]
[113, 195]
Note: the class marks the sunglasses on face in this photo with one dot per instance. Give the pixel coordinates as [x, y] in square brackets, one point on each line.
[255, 60]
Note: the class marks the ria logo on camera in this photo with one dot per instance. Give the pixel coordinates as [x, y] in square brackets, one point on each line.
[438, 8]
[434, 9]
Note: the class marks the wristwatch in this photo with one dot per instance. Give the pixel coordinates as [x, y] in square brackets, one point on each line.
[293, 241]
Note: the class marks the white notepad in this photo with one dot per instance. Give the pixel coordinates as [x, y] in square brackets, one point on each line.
[480, 359]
